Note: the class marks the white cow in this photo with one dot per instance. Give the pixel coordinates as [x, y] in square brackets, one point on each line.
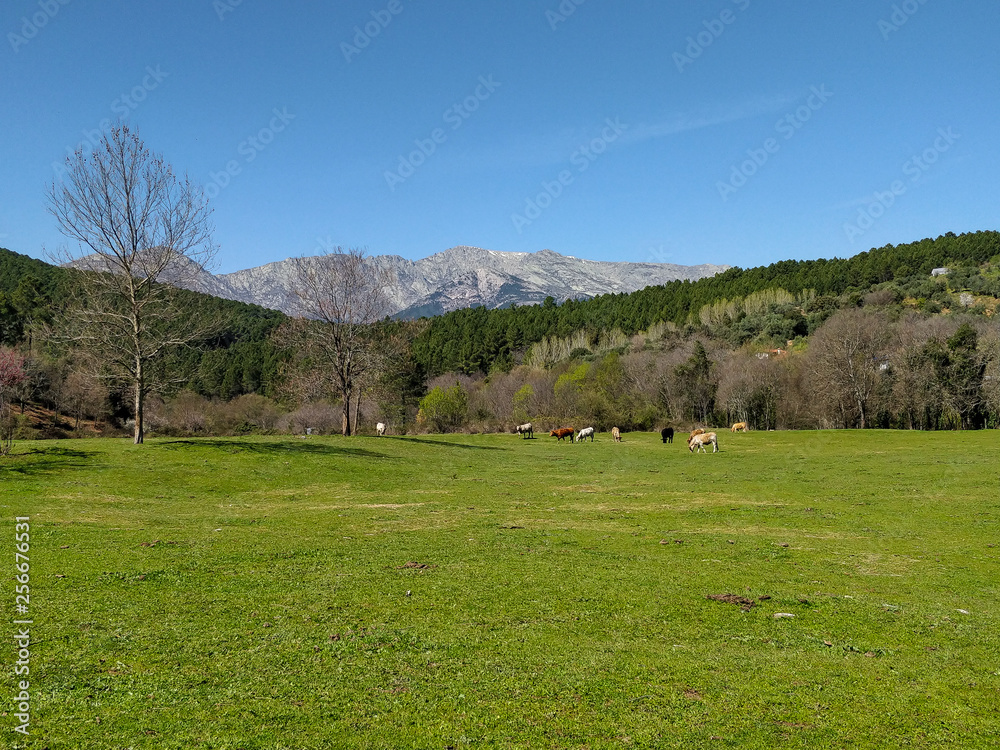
[380, 429]
[700, 441]
[586, 432]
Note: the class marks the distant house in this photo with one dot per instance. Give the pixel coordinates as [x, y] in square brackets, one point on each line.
[771, 353]
[939, 272]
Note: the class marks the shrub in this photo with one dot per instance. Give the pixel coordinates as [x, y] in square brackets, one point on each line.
[320, 416]
[443, 410]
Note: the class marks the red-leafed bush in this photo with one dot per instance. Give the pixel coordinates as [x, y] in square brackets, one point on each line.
[12, 374]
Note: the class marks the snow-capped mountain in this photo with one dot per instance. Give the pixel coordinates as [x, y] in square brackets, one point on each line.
[464, 277]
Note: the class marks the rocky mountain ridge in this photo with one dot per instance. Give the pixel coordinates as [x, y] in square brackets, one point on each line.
[463, 277]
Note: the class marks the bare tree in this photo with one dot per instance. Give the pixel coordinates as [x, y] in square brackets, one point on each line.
[137, 226]
[848, 362]
[991, 379]
[344, 293]
[749, 388]
[917, 398]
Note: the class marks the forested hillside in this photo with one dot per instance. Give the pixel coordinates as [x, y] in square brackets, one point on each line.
[479, 340]
[238, 357]
[876, 340]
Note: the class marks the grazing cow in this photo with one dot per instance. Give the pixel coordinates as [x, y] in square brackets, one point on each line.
[698, 442]
[586, 432]
[563, 432]
[616, 434]
[740, 427]
[667, 433]
[698, 431]
[380, 429]
[524, 430]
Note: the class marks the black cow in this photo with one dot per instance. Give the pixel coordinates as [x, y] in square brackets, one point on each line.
[667, 433]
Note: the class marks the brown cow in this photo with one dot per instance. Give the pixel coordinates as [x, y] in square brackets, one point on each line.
[616, 434]
[698, 431]
[740, 427]
[563, 432]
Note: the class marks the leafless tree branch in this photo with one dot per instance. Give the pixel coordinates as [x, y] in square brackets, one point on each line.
[139, 229]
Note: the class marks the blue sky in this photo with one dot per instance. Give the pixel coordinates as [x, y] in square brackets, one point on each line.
[726, 131]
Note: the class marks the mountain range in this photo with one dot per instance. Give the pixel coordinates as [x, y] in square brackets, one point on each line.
[462, 277]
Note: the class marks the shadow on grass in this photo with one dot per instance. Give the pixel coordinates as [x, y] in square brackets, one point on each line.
[283, 447]
[40, 460]
[442, 444]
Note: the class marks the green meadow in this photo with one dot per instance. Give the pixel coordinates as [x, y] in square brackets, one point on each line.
[492, 592]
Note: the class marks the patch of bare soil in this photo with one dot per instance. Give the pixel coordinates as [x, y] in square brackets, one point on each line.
[745, 604]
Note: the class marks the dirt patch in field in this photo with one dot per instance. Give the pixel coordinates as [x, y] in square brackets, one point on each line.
[745, 604]
[416, 566]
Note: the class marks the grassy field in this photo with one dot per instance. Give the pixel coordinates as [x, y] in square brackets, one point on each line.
[487, 591]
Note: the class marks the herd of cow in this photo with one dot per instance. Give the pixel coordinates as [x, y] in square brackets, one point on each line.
[696, 441]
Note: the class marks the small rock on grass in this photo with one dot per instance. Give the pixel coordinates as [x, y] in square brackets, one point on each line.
[783, 616]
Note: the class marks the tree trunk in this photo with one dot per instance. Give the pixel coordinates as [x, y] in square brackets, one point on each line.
[139, 399]
[346, 420]
[357, 411]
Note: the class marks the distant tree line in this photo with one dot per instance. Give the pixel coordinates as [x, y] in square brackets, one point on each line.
[481, 340]
[865, 342]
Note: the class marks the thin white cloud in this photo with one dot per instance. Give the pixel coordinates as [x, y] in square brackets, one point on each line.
[554, 148]
[689, 121]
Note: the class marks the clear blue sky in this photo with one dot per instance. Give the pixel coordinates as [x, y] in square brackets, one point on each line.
[634, 115]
